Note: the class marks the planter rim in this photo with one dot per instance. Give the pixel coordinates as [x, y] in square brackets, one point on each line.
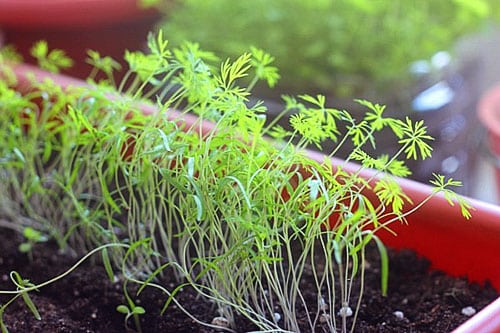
[487, 320]
[57, 14]
[489, 110]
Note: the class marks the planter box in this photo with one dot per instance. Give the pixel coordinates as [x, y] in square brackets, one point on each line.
[436, 231]
[107, 26]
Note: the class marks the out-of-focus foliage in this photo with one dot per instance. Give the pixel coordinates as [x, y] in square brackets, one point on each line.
[338, 46]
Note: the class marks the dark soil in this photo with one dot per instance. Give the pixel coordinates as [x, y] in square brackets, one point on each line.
[85, 301]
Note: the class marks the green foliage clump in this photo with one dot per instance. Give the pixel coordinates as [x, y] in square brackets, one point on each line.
[239, 217]
[340, 47]
[52, 60]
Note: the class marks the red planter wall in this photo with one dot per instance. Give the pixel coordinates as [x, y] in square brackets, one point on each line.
[108, 26]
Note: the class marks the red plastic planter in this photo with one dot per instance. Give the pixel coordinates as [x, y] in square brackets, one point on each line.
[436, 231]
[108, 26]
[489, 115]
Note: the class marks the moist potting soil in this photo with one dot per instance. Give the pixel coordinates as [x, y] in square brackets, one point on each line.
[418, 300]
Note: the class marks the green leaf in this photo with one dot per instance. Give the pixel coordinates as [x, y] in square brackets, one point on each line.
[19, 154]
[53, 60]
[361, 245]
[33, 235]
[319, 100]
[144, 65]
[158, 46]
[337, 251]
[40, 49]
[123, 309]
[399, 169]
[442, 185]
[390, 193]
[107, 265]
[29, 303]
[105, 64]
[361, 133]
[165, 140]
[231, 71]
[414, 140]
[262, 61]
[279, 133]
[138, 310]
[375, 116]
[199, 208]
[25, 247]
[314, 185]
[384, 265]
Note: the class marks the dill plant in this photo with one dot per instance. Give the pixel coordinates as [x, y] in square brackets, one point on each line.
[57, 161]
[236, 211]
[241, 218]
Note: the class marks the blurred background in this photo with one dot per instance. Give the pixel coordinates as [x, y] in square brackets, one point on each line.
[427, 59]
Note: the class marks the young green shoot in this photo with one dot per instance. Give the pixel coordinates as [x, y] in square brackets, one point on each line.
[131, 310]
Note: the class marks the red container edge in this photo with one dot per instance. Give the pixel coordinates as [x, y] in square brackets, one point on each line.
[63, 14]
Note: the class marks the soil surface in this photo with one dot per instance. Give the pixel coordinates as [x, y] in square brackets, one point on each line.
[86, 301]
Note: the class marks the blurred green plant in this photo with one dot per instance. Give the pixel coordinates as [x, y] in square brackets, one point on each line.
[338, 47]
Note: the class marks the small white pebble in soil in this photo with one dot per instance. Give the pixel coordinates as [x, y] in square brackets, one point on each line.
[277, 317]
[469, 311]
[345, 311]
[323, 306]
[93, 315]
[399, 314]
[220, 321]
[5, 277]
[324, 318]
